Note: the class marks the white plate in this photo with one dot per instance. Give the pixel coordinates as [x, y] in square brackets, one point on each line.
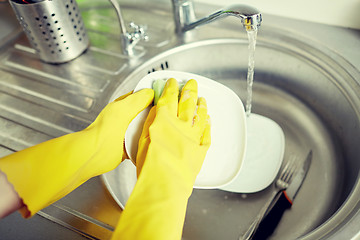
[228, 128]
[264, 156]
[121, 181]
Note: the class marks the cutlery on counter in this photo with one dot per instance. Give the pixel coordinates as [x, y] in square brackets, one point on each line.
[285, 192]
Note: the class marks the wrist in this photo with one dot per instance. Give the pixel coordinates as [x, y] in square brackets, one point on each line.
[10, 200]
[165, 179]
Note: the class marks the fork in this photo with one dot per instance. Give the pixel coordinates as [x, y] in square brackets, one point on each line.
[281, 184]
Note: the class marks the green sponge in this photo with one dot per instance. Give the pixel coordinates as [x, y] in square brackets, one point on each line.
[158, 87]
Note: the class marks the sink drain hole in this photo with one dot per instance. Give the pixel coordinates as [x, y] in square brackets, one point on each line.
[161, 66]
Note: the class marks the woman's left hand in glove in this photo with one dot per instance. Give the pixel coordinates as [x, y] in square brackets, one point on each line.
[46, 172]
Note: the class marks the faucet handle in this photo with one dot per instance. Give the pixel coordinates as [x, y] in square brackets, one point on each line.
[138, 33]
[131, 38]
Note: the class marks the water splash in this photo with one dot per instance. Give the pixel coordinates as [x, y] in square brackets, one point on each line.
[250, 74]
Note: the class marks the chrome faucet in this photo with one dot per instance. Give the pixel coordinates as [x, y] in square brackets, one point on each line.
[185, 19]
[128, 39]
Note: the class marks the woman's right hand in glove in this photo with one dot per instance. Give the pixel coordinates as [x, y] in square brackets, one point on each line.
[172, 148]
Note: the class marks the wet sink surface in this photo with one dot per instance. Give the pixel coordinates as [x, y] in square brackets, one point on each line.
[307, 88]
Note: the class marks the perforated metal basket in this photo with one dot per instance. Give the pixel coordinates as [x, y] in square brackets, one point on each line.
[54, 28]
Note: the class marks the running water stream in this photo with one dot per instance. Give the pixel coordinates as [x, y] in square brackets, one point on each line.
[250, 74]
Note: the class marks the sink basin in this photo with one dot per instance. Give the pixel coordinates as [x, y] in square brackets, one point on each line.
[302, 81]
[312, 97]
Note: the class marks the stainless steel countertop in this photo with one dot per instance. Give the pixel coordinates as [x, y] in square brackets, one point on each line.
[78, 105]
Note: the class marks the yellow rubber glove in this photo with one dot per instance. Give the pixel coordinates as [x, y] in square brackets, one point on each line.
[48, 171]
[172, 148]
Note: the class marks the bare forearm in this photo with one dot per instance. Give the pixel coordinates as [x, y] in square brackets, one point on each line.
[9, 200]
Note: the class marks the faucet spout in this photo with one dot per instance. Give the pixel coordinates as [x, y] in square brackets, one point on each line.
[185, 18]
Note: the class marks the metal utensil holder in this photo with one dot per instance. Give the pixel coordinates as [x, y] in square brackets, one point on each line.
[54, 28]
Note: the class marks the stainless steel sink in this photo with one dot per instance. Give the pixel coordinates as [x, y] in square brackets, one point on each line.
[310, 95]
[309, 88]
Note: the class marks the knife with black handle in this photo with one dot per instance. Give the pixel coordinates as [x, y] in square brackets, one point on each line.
[272, 219]
[27, 1]
[283, 202]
